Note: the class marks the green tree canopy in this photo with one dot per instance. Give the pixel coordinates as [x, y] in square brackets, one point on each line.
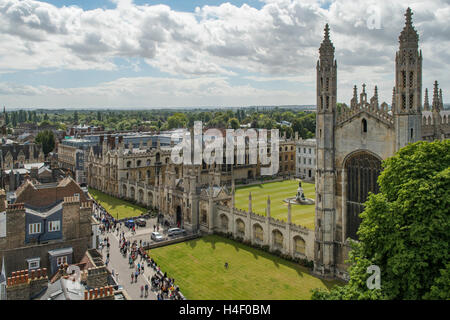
[405, 229]
[47, 139]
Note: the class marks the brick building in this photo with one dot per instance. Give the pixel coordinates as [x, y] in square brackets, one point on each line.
[48, 225]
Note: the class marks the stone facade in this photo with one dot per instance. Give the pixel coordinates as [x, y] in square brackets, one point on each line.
[305, 167]
[352, 142]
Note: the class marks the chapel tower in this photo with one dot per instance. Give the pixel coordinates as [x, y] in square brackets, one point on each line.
[325, 162]
[408, 86]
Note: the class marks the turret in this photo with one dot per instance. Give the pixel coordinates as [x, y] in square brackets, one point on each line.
[408, 86]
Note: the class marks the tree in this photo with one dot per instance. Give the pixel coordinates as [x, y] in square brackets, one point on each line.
[75, 117]
[178, 120]
[405, 229]
[47, 139]
[233, 123]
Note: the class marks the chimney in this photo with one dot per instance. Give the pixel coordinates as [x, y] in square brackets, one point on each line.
[86, 294]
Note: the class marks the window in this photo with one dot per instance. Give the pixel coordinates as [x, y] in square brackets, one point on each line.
[309, 161]
[34, 228]
[304, 160]
[128, 164]
[61, 260]
[34, 263]
[54, 226]
[309, 150]
[304, 150]
[364, 125]
[138, 163]
[412, 133]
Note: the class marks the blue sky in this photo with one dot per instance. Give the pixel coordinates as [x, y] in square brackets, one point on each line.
[67, 53]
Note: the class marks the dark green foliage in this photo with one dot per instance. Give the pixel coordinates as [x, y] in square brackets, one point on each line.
[405, 229]
[47, 139]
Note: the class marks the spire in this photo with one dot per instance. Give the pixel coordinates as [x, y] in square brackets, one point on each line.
[354, 101]
[374, 100]
[326, 49]
[435, 104]
[363, 95]
[441, 101]
[426, 104]
[408, 37]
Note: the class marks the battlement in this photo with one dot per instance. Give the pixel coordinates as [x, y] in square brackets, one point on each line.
[98, 293]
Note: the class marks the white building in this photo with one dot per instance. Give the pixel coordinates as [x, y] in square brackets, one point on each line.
[305, 164]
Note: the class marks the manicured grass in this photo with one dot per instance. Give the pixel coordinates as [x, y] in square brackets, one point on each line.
[198, 269]
[301, 214]
[118, 208]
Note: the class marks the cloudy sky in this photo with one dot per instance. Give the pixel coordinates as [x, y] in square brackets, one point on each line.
[173, 53]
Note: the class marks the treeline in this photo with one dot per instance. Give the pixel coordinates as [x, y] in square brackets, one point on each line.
[303, 122]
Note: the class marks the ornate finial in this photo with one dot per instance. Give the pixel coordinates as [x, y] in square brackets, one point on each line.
[376, 92]
[355, 92]
[409, 37]
[440, 99]
[326, 49]
[364, 88]
[426, 104]
[408, 16]
[327, 32]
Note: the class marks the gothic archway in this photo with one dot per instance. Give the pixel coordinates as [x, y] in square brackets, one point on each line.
[362, 170]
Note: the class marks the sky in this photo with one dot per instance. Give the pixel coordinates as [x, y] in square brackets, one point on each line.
[187, 53]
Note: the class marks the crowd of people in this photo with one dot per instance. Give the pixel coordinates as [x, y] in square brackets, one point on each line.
[138, 258]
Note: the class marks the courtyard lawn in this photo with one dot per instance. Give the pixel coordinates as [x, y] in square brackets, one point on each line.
[301, 214]
[198, 269]
[118, 208]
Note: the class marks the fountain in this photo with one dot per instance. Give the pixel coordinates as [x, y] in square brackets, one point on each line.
[300, 197]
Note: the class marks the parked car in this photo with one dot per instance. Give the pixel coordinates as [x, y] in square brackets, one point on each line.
[129, 223]
[175, 231]
[156, 236]
[140, 222]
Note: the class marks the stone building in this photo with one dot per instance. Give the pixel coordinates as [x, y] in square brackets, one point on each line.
[305, 167]
[352, 142]
[15, 155]
[48, 225]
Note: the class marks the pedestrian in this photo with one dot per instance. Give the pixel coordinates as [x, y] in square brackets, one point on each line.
[142, 268]
[132, 277]
[136, 275]
[146, 290]
[142, 291]
[117, 276]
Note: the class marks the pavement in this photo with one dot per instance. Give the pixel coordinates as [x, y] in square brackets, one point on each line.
[120, 265]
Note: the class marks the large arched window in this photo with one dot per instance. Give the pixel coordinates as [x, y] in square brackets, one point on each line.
[362, 170]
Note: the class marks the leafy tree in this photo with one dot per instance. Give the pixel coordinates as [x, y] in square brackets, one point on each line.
[233, 123]
[178, 120]
[47, 139]
[405, 229]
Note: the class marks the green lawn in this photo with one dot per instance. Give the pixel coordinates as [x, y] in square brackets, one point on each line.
[118, 208]
[198, 269]
[301, 214]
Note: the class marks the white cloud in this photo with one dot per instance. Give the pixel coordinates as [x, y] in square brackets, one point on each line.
[146, 92]
[278, 41]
